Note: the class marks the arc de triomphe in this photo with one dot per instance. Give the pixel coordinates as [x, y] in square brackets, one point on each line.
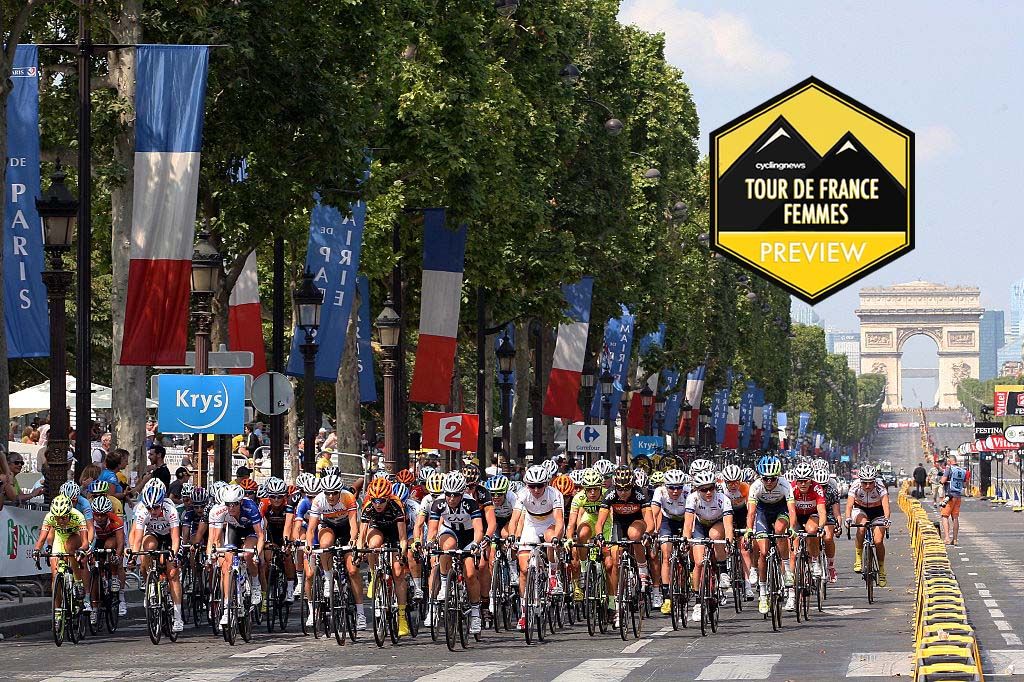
[891, 315]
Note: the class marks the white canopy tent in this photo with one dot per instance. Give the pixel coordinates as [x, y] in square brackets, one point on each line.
[37, 398]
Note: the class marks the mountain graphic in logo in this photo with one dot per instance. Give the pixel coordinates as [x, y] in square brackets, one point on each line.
[780, 153]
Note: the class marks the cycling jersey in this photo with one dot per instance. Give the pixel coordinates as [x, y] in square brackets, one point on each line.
[157, 521]
[807, 502]
[332, 513]
[274, 517]
[72, 524]
[540, 507]
[670, 509]
[709, 511]
[628, 510]
[107, 524]
[385, 520]
[585, 506]
[956, 479]
[456, 520]
[482, 496]
[505, 509]
[867, 495]
[831, 499]
[782, 492]
[738, 497]
[426, 503]
[248, 516]
[84, 506]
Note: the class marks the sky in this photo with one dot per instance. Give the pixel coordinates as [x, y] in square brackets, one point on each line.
[950, 72]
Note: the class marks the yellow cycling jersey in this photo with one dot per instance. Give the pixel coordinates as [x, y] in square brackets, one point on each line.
[73, 523]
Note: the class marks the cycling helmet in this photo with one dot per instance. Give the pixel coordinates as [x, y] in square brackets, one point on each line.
[303, 478]
[623, 477]
[426, 471]
[275, 486]
[703, 478]
[516, 487]
[332, 484]
[379, 473]
[186, 489]
[153, 496]
[867, 473]
[576, 476]
[405, 476]
[550, 467]
[498, 485]
[261, 491]
[454, 483]
[769, 465]
[156, 483]
[803, 471]
[563, 484]
[330, 471]
[657, 477]
[675, 477]
[216, 489]
[535, 475]
[820, 464]
[232, 494]
[592, 478]
[312, 488]
[748, 475]
[249, 485]
[400, 490]
[435, 483]
[100, 488]
[732, 473]
[101, 505]
[71, 490]
[640, 476]
[378, 488]
[61, 506]
[472, 473]
[604, 467]
[199, 496]
[701, 465]
[822, 477]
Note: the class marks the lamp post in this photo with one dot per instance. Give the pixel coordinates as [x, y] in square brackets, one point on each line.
[607, 380]
[389, 326]
[647, 403]
[206, 264]
[537, 390]
[627, 395]
[58, 210]
[506, 353]
[686, 412]
[587, 381]
[308, 300]
[659, 414]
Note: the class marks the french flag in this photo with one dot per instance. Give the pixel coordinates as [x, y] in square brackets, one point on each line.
[562, 399]
[245, 319]
[694, 394]
[444, 257]
[170, 91]
[732, 429]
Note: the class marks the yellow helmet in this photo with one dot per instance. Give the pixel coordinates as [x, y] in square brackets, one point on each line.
[61, 506]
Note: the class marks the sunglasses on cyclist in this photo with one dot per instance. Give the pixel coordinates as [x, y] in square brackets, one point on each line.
[674, 488]
[803, 480]
[706, 489]
[456, 495]
[332, 493]
[233, 504]
[769, 479]
[276, 497]
[379, 500]
[536, 486]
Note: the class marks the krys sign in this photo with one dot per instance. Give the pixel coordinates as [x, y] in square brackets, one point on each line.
[812, 189]
[201, 404]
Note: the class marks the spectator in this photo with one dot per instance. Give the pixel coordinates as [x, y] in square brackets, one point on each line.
[101, 448]
[109, 472]
[242, 474]
[157, 468]
[181, 476]
[90, 473]
[10, 490]
[935, 477]
[252, 441]
[331, 442]
[44, 431]
[27, 435]
[955, 481]
[15, 431]
[920, 478]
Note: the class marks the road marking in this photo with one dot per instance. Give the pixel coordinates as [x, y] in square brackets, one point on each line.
[984, 593]
[996, 613]
[637, 646]
[990, 603]
[349, 672]
[980, 586]
[740, 667]
[880, 664]
[1006, 661]
[210, 675]
[470, 672]
[664, 631]
[972, 574]
[1002, 625]
[606, 669]
[843, 610]
[965, 558]
[1011, 638]
[72, 675]
[265, 651]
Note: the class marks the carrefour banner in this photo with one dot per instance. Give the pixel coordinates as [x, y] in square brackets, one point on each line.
[367, 383]
[25, 312]
[618, 344]
[332, 255]
[20, 530]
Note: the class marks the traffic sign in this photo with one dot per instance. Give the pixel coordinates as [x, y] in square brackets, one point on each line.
[450, 431]
[217, 359]
[584, 438]
[272, 393]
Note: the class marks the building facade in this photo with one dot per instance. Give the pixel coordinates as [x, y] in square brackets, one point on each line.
[1016, 308]
[992, 337]
[846, 343]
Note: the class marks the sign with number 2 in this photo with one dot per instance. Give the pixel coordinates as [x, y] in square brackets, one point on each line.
[450, 431]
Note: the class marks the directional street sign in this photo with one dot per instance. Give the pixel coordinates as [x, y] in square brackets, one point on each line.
[218, 359]
[272, 384]
[584, 438]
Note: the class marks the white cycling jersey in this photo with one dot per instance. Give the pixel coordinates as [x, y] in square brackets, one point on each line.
[504, 510]
[542, 506]
[870, 495]
[158, 521]
[709, 511]
[671, 509]
[783, 491]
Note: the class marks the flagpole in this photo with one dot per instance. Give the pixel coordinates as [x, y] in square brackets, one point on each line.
[83, 293]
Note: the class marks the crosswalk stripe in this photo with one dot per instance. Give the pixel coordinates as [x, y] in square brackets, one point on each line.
[605, 669]
[1006, 661]
[880, 664]
[466, 672]
[349, 672]
[265, 651]
[74, 675]
[757, 667]
[636, 646]
[1011, 639]
[210, 675]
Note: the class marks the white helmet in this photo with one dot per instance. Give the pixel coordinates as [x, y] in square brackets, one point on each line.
[275, 486]
[231, 494]
[675, 477]
[302, 479]
[867, 473]
[550, 467]
[732, 473]
[703, 478]
[820, 464]
[822, 477]
[701, 465]
[605, 467]
[71, 490]
[331, 484]
[535, 475]
[454, 483]
[216, 488]
[640, 476]
[803, 471]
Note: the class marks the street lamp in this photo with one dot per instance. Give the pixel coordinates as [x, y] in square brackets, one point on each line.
[389, 328]
[59, 212]
[627, 395]
[680, 211]
[506, 353]
[570, 74]
[206, 264]
[647, 403]
[607, 380]
[308, 300]
[659, 414]
[506, 8]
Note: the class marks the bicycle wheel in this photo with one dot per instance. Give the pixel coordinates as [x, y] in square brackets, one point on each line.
[602, 599]
[737, 580]
[622, 601]
[714, 611]
[798, 586]
[73, 629]
[304, 609]
[168, 618]
[804, 598]
[380, 608]
[154, 609]
[434, 606]
[590, 603]
[531, 600]
[568, 595]
[637, 611]
[187, 584]
[702, 599]
[452, 610]
[775, 594]
[338, 609]
[675, 577]
[246, 612]
[868, 571]
[540, 603]
[216, 606]
[230, 629]
[464, 611]
[284, 606]
[110, 606]
[392, 613]
[58, 616]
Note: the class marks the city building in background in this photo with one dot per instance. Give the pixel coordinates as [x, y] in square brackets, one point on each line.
[801, 313]
[1009, 352]
[1016, 308]
[992, 337]
[1011, 368]
[847, 343]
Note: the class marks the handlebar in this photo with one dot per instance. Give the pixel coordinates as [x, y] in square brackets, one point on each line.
[333, 549]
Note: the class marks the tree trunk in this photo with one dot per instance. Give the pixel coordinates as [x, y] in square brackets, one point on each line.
[292, 426]
[548, 422]
[129, 383]
[346, 399]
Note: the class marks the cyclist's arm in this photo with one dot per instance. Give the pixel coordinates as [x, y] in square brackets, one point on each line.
[849, 506]
[260, 538]
[135, 538]
[559, 522]
[212, 535]
[751, 511]
[354, 526]
[571, 530]
[432, 529]
[602, 518]
[478, 530]
[822, 515]
[791, 507]
[516, 524]
[688, 525]
[885, 505]
[289, 521]
[727, 524]
[648, 519]
[44, 533]
[657, 513]
[490, 518]
[361, 536]
[175, 539]
[403, 537]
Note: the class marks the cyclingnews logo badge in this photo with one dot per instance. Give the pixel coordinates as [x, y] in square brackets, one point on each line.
[812, 190]
[201, 404]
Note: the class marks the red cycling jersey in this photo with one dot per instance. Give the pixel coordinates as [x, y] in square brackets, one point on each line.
[807, 501]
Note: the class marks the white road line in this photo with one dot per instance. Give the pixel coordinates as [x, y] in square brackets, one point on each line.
[73, 675]
[468, 672]
[1006, 661]
[996, 613]
[605, 669]
[990, 603]
[637, 646]
[349, 672]
[880, 664]
[265, 651]
[1011, 639]
[980, 586]
[757, 667]
[984, 593]
[972, 574]
[211, 675]
[965, 558]
[1002, 625]
[664, 631]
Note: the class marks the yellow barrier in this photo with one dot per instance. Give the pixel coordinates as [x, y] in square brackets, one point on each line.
[944, 642]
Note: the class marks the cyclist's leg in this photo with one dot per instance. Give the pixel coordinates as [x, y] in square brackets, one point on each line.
[717, 532]
[635, 532]
[255, 579]
[374, 540]
[699, 533]
[879, 533]
[858, 516]
[813, 544]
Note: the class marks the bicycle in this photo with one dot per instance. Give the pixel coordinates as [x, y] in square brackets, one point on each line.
[68, 594]
[869, 558]
[103, 579]
[157, 595]
[385, 602]
[821, 589]
[679, 580]
[213, 592]
[737, 576]
[630, 588]
[238, 600]
[538, 597]
[333, 612]
[775, 581]
[709, 592]
[564, 601]
[456, 607]
[803, 577]
[277, 604]
[504, 587]
[595, 590]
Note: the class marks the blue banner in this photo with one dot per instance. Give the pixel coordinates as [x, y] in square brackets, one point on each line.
[669, 380]
[646, 445]
[618, 344]
[335, 242]
[747, 414]
[720, 413]
[364, 335]
[782, 420]
[767, 420]
[25, 309]
[192, 403]
[805, 419]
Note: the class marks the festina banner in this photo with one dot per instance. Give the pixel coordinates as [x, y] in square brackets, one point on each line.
[25, 312]
[332, 255]
[367, 383]
[444, 258]
[618, 345]
[245, 319]
[562, 399]
[170, 89]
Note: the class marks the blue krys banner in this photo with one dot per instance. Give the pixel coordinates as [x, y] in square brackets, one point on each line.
[720, 413]
[367, 382]
[335, 242]
[618, 344]
[767, 419]
[805, 419]
[25, 311]
[747, 413]
[192, 403]
[510, 329]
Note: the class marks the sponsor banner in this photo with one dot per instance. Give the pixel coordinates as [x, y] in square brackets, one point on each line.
[583, 438]
[1014, 434]
[450, 431]
[1008, 400]
[899, 425]
[812, 190]
[805, 419]
[201, 403]
[646, 445]
[618, 346]
[983, 430]
[20, 528]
